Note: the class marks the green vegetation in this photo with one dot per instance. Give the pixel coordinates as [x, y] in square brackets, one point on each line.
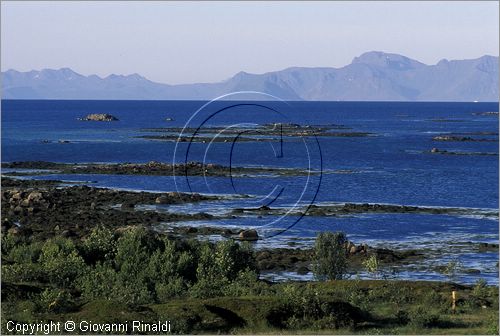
[451, 269]
[203, 287]
[371, 265]
[330, 256]
[135, 267]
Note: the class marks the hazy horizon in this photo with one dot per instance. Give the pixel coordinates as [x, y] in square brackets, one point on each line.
[217, 81]
[180, 43]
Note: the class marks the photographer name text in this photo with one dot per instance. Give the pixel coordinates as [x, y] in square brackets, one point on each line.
[126, 327]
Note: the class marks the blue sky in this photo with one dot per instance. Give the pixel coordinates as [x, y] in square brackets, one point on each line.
[204, 42]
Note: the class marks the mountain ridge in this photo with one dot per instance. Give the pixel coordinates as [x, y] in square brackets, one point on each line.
[372, 76]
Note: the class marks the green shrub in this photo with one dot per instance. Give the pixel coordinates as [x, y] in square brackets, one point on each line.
[358, 298]
[205, 288]
[171, 288]
[227, 261]
[400, 295]
[247, 283]
[480, 291]
[371, 265]
[186, 266]
[25, 253]
[302, 308]
[169, 261]
[132, 292]
[378, 293]
[402, 317]
[60, 261]
[422, 317]
[137, 267]
[25, 272]
[99, 245]
[330, 256]
[161, 265]
[493, 325]
[9, 241]
[25, 310]
[480, 296]
[133, 252]
[184, 324]
[103, 282]
[221, 265]
[98, 282]
[434, 299]
[55, 300]
[452, 268]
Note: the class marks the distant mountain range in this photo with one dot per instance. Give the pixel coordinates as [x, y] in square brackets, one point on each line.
[373, 76]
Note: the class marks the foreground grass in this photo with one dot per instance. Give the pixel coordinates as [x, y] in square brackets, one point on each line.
[366, 307]
[120, 276]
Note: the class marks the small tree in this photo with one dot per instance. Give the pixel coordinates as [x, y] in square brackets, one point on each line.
[371, 265]
[452, 268]
[330, 256]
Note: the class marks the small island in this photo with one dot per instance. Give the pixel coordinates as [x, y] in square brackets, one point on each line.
[99, 117]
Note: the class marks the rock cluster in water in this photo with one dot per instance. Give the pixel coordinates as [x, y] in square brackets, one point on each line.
[352, 248]
[250, 235]
[458, 138]
[99, 117]
[155, 168]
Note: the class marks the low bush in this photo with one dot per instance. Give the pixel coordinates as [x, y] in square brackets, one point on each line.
[422, 317]
[219, 273]
[25, 272]
[169, 288]
[25, 253]
[402, 317]
[100, 245]
[98, 282]
[55, 301]
[60, 261]
[480, 292]
[306, 307]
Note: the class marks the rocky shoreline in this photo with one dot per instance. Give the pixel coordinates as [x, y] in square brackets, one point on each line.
[150, 168]
[300, 260]
[43, 209]
[204, 139]
[343, 209]
[459, 138]
[446, 152]
[268, 131]
[490, 113]
[47, 210]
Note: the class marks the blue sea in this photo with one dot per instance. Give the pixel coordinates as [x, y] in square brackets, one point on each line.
[392, 165]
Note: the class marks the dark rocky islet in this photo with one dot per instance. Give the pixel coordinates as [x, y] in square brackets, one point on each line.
[456, 138]
[447, 152]
[490, 113]
[150, 168]
[266, 132]
[99, 117]
[343, 209]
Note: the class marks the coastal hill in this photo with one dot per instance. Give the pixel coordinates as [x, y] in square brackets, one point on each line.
[373, 76]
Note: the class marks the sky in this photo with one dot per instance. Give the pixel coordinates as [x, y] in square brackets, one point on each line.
[174, 43]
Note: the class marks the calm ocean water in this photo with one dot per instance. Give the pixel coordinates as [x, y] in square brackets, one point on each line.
[391, 166]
